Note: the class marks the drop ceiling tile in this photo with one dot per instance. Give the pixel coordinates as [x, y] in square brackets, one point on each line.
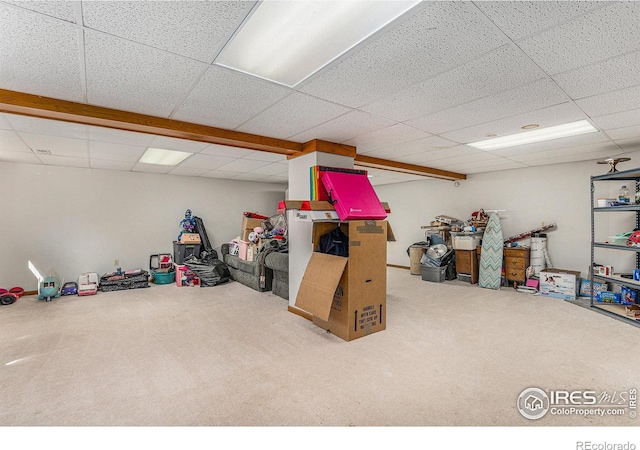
[49, 127]
[181, 145]
[610, 75]
[120, 136]
[227, 99]
[132, 77]
[537, 95]
[275, 179]
[484, 166]
[441, 36]
[618, 120]
[151, 168]
[292, 115]
[545, 117]
[209, 162]
[272, 169]
[610, 102]
[481, 159]
[417, 146]
[220, 174]
[11, 142]
[593, 156]
[455, 153]
[67, 161]
[188, 171]
[225, 150]
[495, 72]
[629, 145]
[386, 137]
[4, 123]
[596, 36]
[115, 152]
[193, 29]
[625, 133]
[65, 10]
[345, 127]
[111, 165]
[32, 64]
[563, 143]
[266, 156]
[523, 18]
[59, 146]
[18, 157]
[242, 165]
[573, 152]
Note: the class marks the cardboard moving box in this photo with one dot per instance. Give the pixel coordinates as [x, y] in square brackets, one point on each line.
[347, 296]
[559, 283]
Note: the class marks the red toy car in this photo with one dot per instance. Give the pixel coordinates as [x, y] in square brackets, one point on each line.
[634, 239]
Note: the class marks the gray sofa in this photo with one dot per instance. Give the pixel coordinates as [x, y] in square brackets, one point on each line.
[247, 272]
[279, 264]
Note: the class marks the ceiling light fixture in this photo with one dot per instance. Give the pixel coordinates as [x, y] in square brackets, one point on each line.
[529, 137]
[163, 157]
[286, 42]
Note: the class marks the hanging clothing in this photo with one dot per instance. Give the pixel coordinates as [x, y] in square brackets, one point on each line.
[335, 242]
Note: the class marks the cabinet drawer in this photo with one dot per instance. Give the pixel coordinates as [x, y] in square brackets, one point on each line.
[515, 263]
[514, 274]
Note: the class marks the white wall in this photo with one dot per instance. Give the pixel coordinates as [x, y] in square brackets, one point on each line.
[76, 220]
[557, 194]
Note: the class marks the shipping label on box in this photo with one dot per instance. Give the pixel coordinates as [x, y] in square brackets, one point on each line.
[559, 283]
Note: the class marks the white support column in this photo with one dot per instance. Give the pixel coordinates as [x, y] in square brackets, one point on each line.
[299, 233]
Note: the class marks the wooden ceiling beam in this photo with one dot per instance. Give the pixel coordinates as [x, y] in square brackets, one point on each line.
[396, 166]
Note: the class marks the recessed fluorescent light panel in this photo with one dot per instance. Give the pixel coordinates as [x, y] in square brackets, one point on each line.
[540, 135]
[163, 157]
[288, 41]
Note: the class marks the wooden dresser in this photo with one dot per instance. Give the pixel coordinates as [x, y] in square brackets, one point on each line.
[467, 263]
[516, 261]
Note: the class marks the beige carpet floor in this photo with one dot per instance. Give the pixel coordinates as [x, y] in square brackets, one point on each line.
[452, 354]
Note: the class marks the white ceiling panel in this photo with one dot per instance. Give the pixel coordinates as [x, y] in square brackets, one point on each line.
[223, 150]
[111, 165]
[242, 165]
[442, 156]
[188, 171]
[35, 65]
[181, 145]
[612, 30]
[11, 142]
[610, 75]
[418, 146]
[618, 120]
[195, 29]
[151, 168]
[593, 156]
[386, 137]
[495, 72]
[209, 162]
[523, 18]
[345, 127]
[65, 10]
[559, 144]
[546, 117]
[4, 123]
[271, 169]
[293, 115]
[59, 146]
[120, 136]
[50, 127]
[220, 174]
[629, 145]
[610, 102]
[133, 77]
[275, 179]
[540, 94]
[115, 152]
[18, 157]
[67, 161]
[227, 99]
[527, 157]
[442, 36]
[249, 176]
[625, 133]
[485, 166]
[266, 156]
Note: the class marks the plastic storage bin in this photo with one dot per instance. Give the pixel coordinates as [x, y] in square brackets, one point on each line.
[434, 274]
[182, 251]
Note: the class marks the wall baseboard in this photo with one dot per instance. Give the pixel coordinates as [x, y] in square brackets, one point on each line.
[399, 267]
[299, 312]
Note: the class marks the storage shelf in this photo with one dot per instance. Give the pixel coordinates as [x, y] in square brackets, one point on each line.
[618, 280]
[631, 174]
[630, 248]
[617, 310]
[617, 208]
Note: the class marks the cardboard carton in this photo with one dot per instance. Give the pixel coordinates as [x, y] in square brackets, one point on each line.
[347, 296]
[190, 238]
[559, 283]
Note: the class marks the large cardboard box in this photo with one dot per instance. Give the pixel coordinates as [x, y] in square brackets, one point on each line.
[347, 296]
[559, 283]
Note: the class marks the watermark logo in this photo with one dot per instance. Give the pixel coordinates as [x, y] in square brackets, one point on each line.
[533, 403]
